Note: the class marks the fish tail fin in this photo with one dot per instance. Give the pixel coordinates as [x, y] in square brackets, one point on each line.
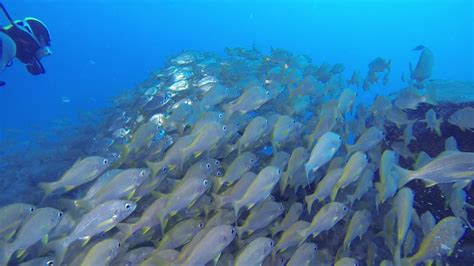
[309, 202]
[71, 207]
[163, 216]
[228, 111]
[397, 255]
[404, 175]
[302, 235]
[202, 107]
[59, 247]
[334, 192]
[155, 167]
[236, 206]
[218, 199]
[310, 140]
[346, 244]
[274, 230]
[217, 184]
[240, 148]
[127, 229]
[429, 98]
[240, 231]
[83, 204]
[284, 182]
[274, 147]
[6, 253]
[378, 201]
[228, 149]
[350, 199]
[349, 148]
[406, 262]
[437, 126]
[125, 151]
[47, 188]
[307, 170]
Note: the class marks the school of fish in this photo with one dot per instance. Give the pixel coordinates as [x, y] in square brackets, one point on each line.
[252, 159]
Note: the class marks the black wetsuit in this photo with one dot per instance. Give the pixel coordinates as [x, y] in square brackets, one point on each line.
[26, 48]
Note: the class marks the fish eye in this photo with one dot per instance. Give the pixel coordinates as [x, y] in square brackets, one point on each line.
[60, 214]
[294, 121]
[208, 165]
[127, 206]
[267, 92]
[224, 128]
[315, 247]
[211, 200]
[142, 173]
[105, 162]
[281, 207]
[119, 245]
[50, 263]
[205, 182]
[344, 208]
[279, 171]
[233, 230]
[219, 173]
[217, 162]
[201, 225]
[252, 160]
[272, 243]
[162, 132]
[221, 115]
[32, 209]
[164, 169]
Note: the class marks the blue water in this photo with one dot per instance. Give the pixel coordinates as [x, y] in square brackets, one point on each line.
[103, 47]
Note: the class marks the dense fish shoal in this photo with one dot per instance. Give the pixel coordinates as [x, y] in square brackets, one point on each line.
[253, 159]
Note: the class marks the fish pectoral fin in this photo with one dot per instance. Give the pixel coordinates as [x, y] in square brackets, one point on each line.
[45, 239]
[130, 195]
[21, 253]
[145, 230]
[216, 259]
[106, 223]
[9, 235]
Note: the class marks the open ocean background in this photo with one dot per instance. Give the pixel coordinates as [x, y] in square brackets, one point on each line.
[101, 48]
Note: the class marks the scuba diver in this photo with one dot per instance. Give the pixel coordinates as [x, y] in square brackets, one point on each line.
[28, 40]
